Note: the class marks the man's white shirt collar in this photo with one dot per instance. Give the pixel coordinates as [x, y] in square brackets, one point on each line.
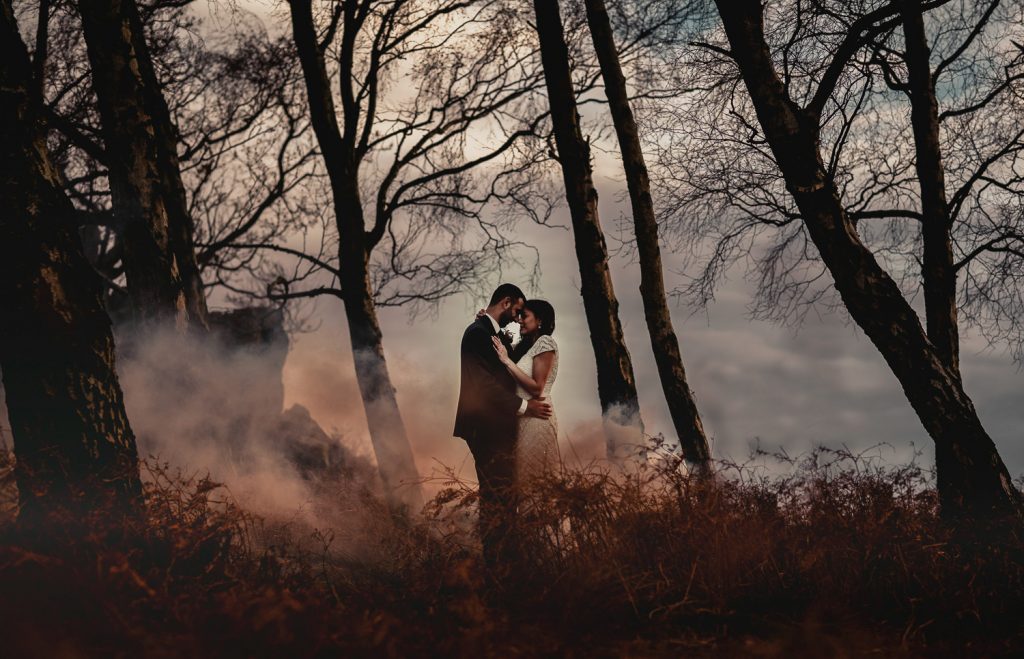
[494, 323]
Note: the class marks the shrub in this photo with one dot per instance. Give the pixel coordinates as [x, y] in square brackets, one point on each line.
[841, 555]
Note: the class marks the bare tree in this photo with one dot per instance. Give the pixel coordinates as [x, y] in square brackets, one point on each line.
[74, 445]
[404, 163]
[972, 476]
[681, 405]
[140, 145]
[725, 190]
[615, 381]
[248, 155]
[967, 153]
[242, 137]
[723, 196]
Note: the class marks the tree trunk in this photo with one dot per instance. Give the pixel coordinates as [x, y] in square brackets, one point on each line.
[681, 405]
[939, 274]
[938, 271]
[74, 446]
[384, 419]
[975, 482]
[616, 385]
[145, 176]
[38, 81]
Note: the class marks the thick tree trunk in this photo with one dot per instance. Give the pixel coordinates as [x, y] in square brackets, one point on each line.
[975, 482]
[939, 274]
[145, 176]
[74, 446]
[681, 405]
[384, 420]
[616, 385]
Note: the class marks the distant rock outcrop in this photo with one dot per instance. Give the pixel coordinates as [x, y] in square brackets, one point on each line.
[314, 453]
[258, 405]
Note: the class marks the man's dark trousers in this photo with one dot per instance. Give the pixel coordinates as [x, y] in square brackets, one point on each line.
[487, 420]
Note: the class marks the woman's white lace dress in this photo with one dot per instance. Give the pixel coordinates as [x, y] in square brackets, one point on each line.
[537, 440]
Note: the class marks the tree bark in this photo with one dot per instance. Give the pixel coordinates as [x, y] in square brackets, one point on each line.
[685, 417]
[939, 273]
[145, 176]
[384, 420]
[616, 385]
[74, 446]
[38, 82]
[975, 482]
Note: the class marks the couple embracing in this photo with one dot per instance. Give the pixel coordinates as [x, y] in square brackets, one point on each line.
[505, 413]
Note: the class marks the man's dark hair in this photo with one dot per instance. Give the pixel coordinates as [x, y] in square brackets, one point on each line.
[506, 291]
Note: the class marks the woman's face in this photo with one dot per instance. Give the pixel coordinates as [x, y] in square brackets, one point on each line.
[529, 324]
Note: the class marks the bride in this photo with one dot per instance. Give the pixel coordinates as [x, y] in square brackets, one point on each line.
[534, 365]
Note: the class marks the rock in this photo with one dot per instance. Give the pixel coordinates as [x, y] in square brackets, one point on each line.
[313, 452]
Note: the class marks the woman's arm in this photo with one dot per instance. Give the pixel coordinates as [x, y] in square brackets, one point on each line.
[542, 364]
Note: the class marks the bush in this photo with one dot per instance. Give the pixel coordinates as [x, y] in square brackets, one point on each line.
[841, 556]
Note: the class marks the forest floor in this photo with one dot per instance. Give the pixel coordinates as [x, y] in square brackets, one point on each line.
[843, 557]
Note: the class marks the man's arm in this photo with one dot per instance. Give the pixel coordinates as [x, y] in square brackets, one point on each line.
[542, 364]
[483, 364]
[485, 383]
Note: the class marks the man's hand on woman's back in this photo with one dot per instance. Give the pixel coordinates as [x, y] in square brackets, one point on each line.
[538, 407]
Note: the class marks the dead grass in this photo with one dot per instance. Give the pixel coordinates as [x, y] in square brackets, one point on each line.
[842, 557]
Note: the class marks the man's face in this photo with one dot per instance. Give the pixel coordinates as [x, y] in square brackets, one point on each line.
[511, 311]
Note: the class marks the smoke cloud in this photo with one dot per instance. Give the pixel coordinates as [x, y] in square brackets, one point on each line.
[216, 405]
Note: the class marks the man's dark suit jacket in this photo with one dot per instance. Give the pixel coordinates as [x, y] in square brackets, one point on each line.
[487, 394]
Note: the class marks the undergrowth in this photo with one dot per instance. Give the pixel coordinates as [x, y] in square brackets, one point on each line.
[842, 556]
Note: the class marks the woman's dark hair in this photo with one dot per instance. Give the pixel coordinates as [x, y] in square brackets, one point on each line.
[545, 314]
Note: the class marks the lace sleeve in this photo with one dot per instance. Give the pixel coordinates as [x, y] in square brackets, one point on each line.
[545, 344]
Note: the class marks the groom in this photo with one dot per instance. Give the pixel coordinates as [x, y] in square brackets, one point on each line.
[486, 419]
